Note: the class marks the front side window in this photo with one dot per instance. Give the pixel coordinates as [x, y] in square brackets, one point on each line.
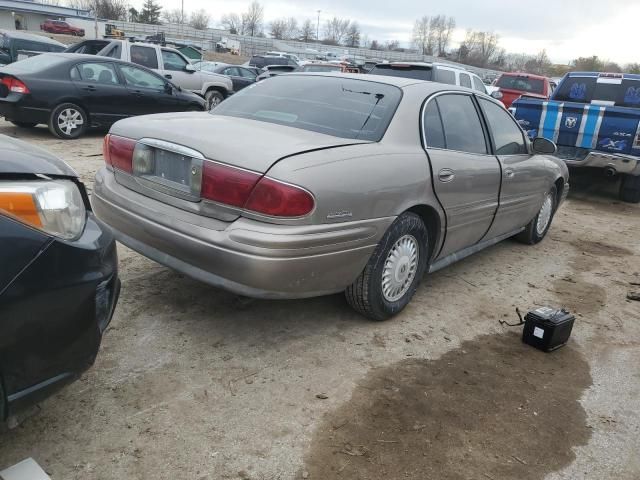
[246, 73]
[172, 61]
[138, 78]
[231, 71]
[478, 85]
[103, 73]
[145, 56]
[462, 128]
[336, 106]
[507, 136]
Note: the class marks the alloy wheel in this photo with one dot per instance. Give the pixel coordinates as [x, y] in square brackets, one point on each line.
[69, 120]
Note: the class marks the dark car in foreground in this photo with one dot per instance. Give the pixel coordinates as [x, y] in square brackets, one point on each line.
[72, 92]
[58, 278]
[311, 184]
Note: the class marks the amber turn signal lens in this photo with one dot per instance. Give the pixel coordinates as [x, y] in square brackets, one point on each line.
[21, 206]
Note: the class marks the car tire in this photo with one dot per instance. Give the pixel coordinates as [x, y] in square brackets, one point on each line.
[24, 124]
[213, 98]
[394, 271]
[630, 189]
[68, 121]
[537, 228]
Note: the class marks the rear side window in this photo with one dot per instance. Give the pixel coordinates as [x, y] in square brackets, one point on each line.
[104, 73]
[340, 107]
[145, 56]
[520, 83]
[465, 80]
[462, 128]
[507, 136]
[432, 124]
[446, 76]
[417, 72]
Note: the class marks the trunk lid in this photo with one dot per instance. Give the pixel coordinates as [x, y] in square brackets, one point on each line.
[248, 144]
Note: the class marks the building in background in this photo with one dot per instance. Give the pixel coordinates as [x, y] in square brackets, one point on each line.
[29, 14]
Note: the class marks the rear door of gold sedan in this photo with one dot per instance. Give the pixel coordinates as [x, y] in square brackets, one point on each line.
[466, 176]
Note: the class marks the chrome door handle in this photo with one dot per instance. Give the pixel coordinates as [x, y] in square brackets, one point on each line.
[509, 173]
[446, 175]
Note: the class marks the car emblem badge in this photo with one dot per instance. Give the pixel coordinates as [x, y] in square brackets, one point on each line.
[571, 122]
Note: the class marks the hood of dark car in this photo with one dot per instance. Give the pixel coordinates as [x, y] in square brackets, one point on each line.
[250, 144]
[18, 157]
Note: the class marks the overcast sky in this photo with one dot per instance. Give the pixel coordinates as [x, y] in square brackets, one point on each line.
[566, 28]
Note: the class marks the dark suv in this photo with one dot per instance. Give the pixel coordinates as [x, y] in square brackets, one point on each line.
[261, 61]
[16, 46]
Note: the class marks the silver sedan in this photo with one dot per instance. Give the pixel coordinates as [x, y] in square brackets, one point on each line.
[312, 184]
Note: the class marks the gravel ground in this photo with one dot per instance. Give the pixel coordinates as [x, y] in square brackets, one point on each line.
[196, 383]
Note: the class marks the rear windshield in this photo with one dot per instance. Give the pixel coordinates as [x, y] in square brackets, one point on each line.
[621, 93]
[418, 72]
[523, 84]
[39, 63]
[335, 106]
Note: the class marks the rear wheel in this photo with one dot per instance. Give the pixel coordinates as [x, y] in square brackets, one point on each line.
[68, 121]
[537, 228]
[630, 189]
[24, 124]
[213, 98]
[393, 273]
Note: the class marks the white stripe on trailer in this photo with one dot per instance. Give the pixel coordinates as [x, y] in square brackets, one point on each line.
[583, 124]
[596, 133]
[543, 117]
[556, 131]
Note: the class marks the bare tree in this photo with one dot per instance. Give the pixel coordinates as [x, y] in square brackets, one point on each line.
[441, 30]
[421, 34]
[108, 9]
[353, 35]
[335, 30]
[233, 23]
[277, 28]
[392, 45]
[375, 45]
[253, 19]
[291, 30]
[307, 31]
[173, 16]
[200, 19]
[479, 48]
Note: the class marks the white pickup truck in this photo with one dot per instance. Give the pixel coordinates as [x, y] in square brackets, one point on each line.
[168, 62]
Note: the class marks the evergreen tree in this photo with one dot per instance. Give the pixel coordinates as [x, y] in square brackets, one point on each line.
[150, 12]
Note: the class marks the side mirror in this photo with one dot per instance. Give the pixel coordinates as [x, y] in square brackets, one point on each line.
[544, 146]
[189, 68]
[168, 88]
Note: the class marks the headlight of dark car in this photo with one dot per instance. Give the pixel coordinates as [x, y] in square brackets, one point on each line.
[53, 206]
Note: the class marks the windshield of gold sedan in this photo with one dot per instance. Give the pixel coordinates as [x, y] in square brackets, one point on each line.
[342, 107]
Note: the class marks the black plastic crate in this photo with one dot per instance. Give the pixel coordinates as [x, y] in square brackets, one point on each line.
[547, 328]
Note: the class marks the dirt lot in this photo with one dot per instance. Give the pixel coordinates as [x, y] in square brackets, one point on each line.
[195, 383]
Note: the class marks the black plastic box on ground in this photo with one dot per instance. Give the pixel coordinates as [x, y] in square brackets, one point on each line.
[547, 328]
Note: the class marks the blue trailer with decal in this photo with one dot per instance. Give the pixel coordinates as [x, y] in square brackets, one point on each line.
[594, 119]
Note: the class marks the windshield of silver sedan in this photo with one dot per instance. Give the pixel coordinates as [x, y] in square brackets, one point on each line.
[338, 106]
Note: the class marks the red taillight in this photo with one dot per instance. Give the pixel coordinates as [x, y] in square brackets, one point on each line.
[278, 199]
[14, 85]
[228, 185]
[118, 152]
[251, 191]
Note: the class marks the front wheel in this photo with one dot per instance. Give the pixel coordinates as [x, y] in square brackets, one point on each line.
[68, 121]
[630, 189]
[537, 228]
[213, 98]
[393, 273]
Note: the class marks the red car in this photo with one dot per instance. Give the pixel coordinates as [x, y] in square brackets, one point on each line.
[58, 26]
[512, 86]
